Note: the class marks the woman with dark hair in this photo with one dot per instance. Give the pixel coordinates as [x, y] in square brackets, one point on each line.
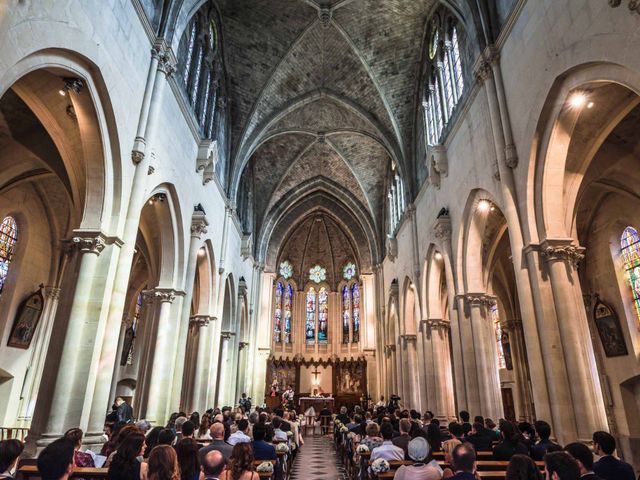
[163, 464]
[434, 436]
[521, 467]
[187, 451]
[416, 431]
[195, 418]
[152, 440]
[80, 459]
[172, 421]
[512, 442]
[203, 432]
[240, 464]
[10, 451]
[125, 464]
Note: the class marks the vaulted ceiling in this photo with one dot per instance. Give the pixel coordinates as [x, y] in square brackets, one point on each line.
[322, 95]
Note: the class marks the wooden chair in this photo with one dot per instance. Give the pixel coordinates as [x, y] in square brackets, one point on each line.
[326, 424]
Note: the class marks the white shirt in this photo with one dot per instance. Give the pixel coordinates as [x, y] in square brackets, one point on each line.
[279, 435]
[388, 451]
[238, 437]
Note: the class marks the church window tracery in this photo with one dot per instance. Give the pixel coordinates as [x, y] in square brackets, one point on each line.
[310, 326]
[397, 202]
[277, 315]
[8, 240]
[317, 274]
[286, 269]
[283, 311]
[288, 315]
[445, 78]
[346, 313]
[350, 318]
[630, 251]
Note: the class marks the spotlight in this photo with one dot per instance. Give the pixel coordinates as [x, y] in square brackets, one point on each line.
[484, 206]
[590, 105]
[578, 100]
[438, 256]
[201, 252]
[62, 93]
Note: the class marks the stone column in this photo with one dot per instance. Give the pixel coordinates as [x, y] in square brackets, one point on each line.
[413, 388]
[224, 369]
[160, 382]
[513, 328]
[199, 225]
[485, 355]
[70, 387]
[38, 354]
[470, 382]
[561, 258]
[197, 402]
[445, 409]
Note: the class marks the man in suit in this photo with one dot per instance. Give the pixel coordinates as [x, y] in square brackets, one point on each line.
[479, 439]
[261, 449]
[217, 443]
[584, 457]
[539, 450]
[561, 466]
[463, 459]
[609, 467]
[464, 421]
[404, 438]
[124, 410]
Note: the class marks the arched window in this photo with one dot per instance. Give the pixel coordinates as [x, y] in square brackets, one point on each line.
[397, 201]
[350, 305]
[8, 239]
[495, 319]
[310, 326]
[446, 80]
[355, 305]
[199, 63]
[288, 316]
[323, 315]
[346, 313]
[630, 251]
[283, 305]
[277, 315]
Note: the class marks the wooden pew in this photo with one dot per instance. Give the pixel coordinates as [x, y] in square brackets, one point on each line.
[31, 471]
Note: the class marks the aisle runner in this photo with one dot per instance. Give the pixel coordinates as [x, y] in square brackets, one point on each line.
[317, 460]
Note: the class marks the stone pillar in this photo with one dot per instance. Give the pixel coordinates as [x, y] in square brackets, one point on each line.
[38, 355]
[561, 258]
[199, 225]
[468, 358]
[390, 355]
[69, 393]
[412, 386]
[161, 378]
[197, 402]
[224, 367]
[513, 328]
[444, 407]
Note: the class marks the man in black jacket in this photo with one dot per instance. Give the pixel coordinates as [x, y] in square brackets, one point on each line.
[584, 457]
[479, 439]
[125, 412]
[609, 467]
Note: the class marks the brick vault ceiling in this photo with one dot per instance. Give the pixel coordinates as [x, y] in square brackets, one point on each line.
[322, 95]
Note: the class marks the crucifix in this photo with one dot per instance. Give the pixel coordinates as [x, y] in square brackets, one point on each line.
[315, 374]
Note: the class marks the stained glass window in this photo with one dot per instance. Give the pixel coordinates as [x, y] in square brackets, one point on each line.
[317, 274]
[288, 301]
[349, 271]
[192, 40]
[310, 326]
[277, 317]
[286, 269]
[346, 313]
[8, 239]
[323, 315]
[495, 318]
[630, 250]
[448, 84]
[355, 316]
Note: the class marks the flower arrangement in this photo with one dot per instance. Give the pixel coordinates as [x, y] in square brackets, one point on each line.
[344, 429]
[290, 434]
[282, 448]
[362, 448]
[380, 466]
[351, 435]
[265, 467]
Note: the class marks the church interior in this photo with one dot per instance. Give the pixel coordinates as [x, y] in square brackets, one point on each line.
[294, 206]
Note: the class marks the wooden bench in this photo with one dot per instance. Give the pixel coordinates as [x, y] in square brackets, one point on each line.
[19, 433]
[499, 475]
[31, 471]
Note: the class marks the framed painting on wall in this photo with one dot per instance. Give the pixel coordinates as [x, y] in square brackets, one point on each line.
[26, 321]
[609, 330]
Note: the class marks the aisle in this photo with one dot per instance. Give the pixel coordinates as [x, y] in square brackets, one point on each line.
[317, 460]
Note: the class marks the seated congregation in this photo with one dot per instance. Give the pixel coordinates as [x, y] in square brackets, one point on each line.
[374, 443]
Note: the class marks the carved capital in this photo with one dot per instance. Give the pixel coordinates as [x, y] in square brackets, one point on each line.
[199, 224]
[242, 345]
[409, 338]
[562, 250]
[89, 243]
[512, 325]
[200, 320]
[479, 299]
[442, 228]
[437, 324]
[482, 70]
[164, 295]
[227, 335]
[389, 348]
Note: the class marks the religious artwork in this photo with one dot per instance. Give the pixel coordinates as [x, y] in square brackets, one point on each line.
[506, 349]
[310, 325]
[609, 330]
[349, 271]
[630, 251]
[280, 376]
[495, 318]
[286, 269]
[350, 378]
[8, 239]
[288, 300]
[355, 305]
[277, 316]
[24, 326]
[346, 313]
[317, 274]
[130, 334]
[323, 316]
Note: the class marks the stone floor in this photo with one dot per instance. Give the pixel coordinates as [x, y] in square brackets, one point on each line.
[317, 460]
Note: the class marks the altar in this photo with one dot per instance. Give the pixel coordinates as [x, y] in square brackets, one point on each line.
[318, 403]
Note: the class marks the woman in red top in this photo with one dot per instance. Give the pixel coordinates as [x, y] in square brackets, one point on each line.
[80, 459]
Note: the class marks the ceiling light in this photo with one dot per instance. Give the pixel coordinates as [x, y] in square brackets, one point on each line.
[578, 100]
[201, 252]
[62, 92]
[438, 256]
[484, 206]
[590, 105]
